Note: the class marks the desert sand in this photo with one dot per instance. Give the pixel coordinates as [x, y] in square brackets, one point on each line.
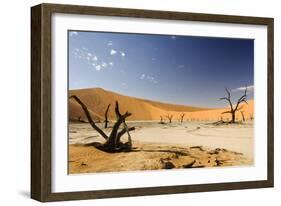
[195, 142]
[97, 100]
[157, 146]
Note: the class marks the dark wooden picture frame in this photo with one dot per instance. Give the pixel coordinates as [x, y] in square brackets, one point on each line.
[41, 101]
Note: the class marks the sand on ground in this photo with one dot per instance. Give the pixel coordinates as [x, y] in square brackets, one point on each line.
[162, 146]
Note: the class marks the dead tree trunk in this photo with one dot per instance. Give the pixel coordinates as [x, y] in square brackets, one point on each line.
[232, 108]
[170, 117]
[161, 120]
[105, 117]
[113, 141]
[252, 117]
[182, 116]
[243, 117]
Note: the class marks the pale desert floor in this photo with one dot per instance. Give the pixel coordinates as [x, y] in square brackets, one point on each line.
[157, 145]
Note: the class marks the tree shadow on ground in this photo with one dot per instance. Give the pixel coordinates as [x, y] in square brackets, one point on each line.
[125, 148]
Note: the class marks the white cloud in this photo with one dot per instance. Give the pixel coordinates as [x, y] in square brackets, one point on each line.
[98, 67]
[124, 84]
[73, 33]
[112, 52]
[122, 53]
[89, 58]
[104, 64]
[249, 89]
[142, 76]
[148, 78]
[109, 43]
[152, 79]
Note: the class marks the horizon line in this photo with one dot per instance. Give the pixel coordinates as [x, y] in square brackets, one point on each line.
[152, 100]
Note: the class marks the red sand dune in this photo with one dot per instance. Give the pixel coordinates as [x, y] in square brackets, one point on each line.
[97, 100]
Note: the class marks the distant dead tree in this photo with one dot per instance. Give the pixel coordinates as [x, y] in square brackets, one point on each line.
[182, 116]
[251, 117]
[113, 141]
[242, 114]
[170, 117]
[234, 109]
[161, 119]
[105, 116]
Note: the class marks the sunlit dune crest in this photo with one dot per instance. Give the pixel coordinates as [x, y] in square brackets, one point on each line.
[97, 100]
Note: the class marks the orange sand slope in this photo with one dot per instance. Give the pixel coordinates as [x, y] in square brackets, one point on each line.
[97, 100]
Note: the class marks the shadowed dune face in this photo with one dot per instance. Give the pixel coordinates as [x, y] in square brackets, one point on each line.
[98, 99]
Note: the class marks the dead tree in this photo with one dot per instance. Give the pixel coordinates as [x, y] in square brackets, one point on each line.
[113, 141]
[182, 116]
[161, 120]
[170, 117]
[251, 117]
[234, 108]
[105, 117]
[242, 114]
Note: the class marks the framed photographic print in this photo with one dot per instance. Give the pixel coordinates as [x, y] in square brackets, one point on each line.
[132, 102]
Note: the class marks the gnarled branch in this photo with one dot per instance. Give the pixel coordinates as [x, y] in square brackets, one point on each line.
[242, 99]
[105, 117]
[88, 115]
[239, 101]
[182, 116]
[228, 99]
[170, 117]
[123, 131]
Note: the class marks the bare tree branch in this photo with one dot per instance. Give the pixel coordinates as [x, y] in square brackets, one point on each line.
[113, 140]
[242, 99]
[170, 117]
[161, 119]
[182, 116]
[242, 114]
[226, 112]
[228, 99]
[239, 101]
[117, 112]
[105, 117]
[228, 93]
[123, 131]
[88, 115]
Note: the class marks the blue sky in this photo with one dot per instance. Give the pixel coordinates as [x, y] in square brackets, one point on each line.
[176, 69]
